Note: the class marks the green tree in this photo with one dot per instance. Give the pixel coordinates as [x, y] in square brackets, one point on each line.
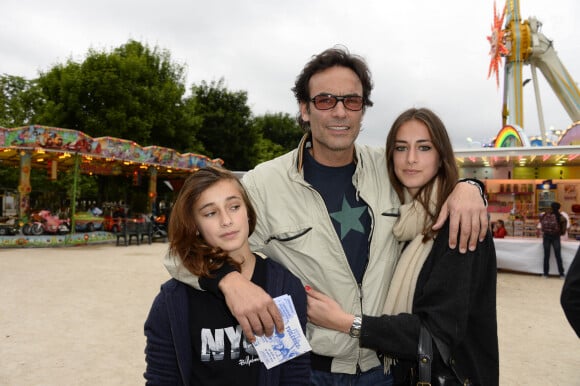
[19, 99]
[267, 150]
[280, 128]
[133, 92]
[9, 176]
[227, 131]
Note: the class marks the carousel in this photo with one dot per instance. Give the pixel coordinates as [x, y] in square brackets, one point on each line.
[59, 151]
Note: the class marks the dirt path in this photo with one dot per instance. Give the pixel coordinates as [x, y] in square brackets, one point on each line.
[74, 316]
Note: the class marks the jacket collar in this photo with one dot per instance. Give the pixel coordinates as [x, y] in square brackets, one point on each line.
[306, 143]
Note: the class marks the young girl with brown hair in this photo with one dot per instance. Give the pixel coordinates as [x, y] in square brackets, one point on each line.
[192, 337]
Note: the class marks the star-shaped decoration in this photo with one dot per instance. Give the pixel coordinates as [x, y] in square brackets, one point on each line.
[498, 48]
[348, 217]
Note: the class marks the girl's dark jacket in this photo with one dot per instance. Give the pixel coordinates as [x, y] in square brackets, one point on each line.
[168, 320]
[455, 298]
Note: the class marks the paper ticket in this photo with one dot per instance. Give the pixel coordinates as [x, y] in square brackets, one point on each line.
[281, 347]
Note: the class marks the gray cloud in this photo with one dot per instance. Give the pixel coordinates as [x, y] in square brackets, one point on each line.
[422, 53]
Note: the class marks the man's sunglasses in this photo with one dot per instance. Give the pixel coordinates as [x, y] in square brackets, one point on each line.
[328, 101]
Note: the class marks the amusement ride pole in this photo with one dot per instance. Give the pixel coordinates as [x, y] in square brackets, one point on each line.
[539, 106]
[518, 41]
[73, 201]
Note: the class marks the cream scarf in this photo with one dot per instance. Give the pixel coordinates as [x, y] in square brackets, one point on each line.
[408, 228]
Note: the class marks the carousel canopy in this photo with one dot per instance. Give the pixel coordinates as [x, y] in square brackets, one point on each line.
[533, 156]
[52, 147]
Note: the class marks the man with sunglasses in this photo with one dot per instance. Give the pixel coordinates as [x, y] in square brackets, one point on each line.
[326, 212]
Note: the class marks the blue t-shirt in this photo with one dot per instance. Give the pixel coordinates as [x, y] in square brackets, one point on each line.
[350, 215]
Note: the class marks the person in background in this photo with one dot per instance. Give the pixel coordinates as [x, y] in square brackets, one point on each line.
[453, 295]
[192, 338]
[553, 226]
[567, 217]
[326, 211]
[570, 296]
[96, 211]
[499, 232]
[119, 212]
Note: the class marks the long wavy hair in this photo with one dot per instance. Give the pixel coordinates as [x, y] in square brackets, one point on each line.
[447, 174]
[185, 241]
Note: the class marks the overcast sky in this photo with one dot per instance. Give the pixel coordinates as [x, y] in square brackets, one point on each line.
[421, 52]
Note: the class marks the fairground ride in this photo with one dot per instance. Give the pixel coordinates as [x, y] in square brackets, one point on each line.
[519, 42]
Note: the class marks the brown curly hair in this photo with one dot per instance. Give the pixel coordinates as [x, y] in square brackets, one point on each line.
[185, 242]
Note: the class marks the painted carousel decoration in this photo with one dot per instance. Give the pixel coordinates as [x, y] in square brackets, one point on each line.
[59, 150]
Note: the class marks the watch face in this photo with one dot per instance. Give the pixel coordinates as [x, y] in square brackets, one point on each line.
[355, 328]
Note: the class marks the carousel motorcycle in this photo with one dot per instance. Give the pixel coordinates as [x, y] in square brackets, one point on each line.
[45, 222]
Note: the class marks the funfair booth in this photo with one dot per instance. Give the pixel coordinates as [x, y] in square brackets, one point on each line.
[521, 182]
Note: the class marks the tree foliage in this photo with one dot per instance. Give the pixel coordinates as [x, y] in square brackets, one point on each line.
[19, 99]
[133, 92]
[280, 129]
[9, 176]
[227, 131]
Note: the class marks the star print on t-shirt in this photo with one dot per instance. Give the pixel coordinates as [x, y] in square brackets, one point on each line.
[349, 213]
[349, 218]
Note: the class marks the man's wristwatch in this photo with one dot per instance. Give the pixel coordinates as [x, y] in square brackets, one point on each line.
[355, 328]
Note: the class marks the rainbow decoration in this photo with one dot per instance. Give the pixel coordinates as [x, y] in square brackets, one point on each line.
[511, 136]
